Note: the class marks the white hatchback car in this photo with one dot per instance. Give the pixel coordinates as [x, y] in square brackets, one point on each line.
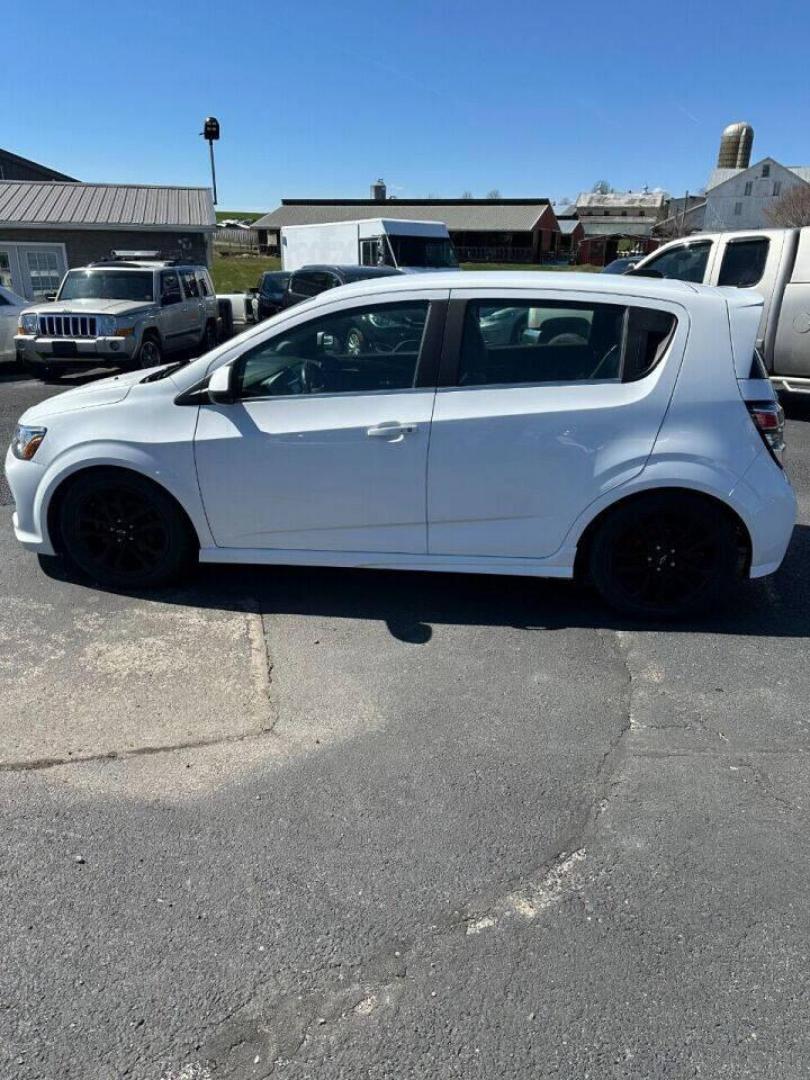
[627, 434]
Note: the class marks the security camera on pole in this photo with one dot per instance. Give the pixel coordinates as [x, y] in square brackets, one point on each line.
[210, 133]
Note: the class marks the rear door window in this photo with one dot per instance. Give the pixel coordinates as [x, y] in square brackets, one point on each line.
[744, 262]
[515, 342]
[189, 284]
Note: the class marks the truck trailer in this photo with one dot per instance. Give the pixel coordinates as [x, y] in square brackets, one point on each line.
[411, 246]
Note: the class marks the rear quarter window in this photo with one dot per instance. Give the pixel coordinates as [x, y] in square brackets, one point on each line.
[744, 262]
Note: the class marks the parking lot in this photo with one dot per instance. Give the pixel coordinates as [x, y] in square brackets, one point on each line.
[313, 823]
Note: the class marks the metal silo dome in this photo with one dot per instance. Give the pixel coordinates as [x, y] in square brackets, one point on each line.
[735, 146]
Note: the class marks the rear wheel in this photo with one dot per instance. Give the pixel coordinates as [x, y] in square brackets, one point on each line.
[665, 555]
[123, 531]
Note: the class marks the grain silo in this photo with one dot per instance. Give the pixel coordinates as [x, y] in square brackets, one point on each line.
[735, 147]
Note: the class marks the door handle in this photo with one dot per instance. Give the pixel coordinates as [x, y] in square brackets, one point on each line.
[390, 430]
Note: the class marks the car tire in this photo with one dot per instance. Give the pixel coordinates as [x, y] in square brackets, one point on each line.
[209, 338]
[150, 353]
[665, 555]
[124, 532]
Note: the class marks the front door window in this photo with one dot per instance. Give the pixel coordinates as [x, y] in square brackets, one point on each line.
[363, 350]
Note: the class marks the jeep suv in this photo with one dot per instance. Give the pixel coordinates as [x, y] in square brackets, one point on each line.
[129, 313]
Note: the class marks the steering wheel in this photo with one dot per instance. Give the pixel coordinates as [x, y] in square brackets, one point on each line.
[305, 372]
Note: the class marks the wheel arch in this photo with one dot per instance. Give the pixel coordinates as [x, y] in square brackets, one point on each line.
[586, 535]
[58, 494]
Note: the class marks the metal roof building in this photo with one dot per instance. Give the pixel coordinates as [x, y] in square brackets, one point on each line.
[48, 226]
[509, 230]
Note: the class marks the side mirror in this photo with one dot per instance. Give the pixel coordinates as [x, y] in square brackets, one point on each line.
[50, 296]
[220, 390]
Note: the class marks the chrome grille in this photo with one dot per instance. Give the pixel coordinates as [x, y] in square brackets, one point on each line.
[67, 326]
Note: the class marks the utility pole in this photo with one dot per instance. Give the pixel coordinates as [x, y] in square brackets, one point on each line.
[210, 133]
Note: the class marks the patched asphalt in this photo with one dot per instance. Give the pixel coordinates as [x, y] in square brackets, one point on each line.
[384, 825]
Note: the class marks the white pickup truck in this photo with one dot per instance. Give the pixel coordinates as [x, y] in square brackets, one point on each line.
[772, 262]
[409, 246]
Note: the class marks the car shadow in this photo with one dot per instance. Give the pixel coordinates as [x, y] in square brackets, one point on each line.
[411, 603]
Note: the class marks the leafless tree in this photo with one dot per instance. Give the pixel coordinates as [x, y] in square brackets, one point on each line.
[601, 187]
[466, 195]
[494, 193]
[792, 209]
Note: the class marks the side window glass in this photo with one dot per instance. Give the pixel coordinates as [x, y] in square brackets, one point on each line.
[649, 333]
[363, 350]
[305, 285]
[170, 288]
[203, 285]
[189, 284]
[540, 341]
[744, 262]
[685, 263]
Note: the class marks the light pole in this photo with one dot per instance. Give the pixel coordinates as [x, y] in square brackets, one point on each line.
[210, 133]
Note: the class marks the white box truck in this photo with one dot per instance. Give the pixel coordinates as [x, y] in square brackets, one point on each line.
[411, 246]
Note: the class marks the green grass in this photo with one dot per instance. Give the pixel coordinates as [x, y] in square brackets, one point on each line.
[242, 215]
[235, 273]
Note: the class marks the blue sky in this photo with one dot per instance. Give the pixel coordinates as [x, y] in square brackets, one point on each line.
[318, 98]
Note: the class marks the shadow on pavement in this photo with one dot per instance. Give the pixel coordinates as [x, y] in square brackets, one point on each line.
[411, 602]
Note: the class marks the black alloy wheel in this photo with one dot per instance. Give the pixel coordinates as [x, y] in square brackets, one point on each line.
[665, 555]
[123, 531]
[150, 354]
[209, 339]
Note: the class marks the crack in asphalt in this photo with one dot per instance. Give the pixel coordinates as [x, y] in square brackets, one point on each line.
[37, 764]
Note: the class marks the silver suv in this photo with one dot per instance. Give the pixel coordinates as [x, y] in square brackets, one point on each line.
[130, 313]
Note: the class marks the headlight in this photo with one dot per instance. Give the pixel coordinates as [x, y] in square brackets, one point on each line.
[26, 441]
[105, 325]
[27, 324]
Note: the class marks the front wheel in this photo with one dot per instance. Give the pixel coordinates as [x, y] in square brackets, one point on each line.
[209, 338]
[666, 555]
[150, 353]
[123, 531]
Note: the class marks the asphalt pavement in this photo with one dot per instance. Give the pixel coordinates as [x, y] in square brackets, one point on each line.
[311, 823]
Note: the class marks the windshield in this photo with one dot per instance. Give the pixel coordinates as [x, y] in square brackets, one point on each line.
[107, 285]
[433, 252]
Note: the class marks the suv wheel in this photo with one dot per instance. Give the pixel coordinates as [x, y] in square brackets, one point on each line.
[209, 338]
[122, 531]
[665, 555]
[150, 353]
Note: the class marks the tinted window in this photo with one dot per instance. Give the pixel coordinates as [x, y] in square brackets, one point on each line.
[685, 263]
[744, 262]
[649, 332]
[363, 350]
[310, 283]
[540, 341]
[273, 285]
[203, 284]
[170, 288]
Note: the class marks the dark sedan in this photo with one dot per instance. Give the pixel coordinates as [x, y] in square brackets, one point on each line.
[270, 292]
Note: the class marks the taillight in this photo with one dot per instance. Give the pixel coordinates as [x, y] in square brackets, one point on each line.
[769, 418]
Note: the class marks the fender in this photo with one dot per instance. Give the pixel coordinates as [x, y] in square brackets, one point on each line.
[181, 483]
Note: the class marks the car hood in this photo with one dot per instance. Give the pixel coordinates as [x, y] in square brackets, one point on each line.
[93, 307]
[104, 392]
